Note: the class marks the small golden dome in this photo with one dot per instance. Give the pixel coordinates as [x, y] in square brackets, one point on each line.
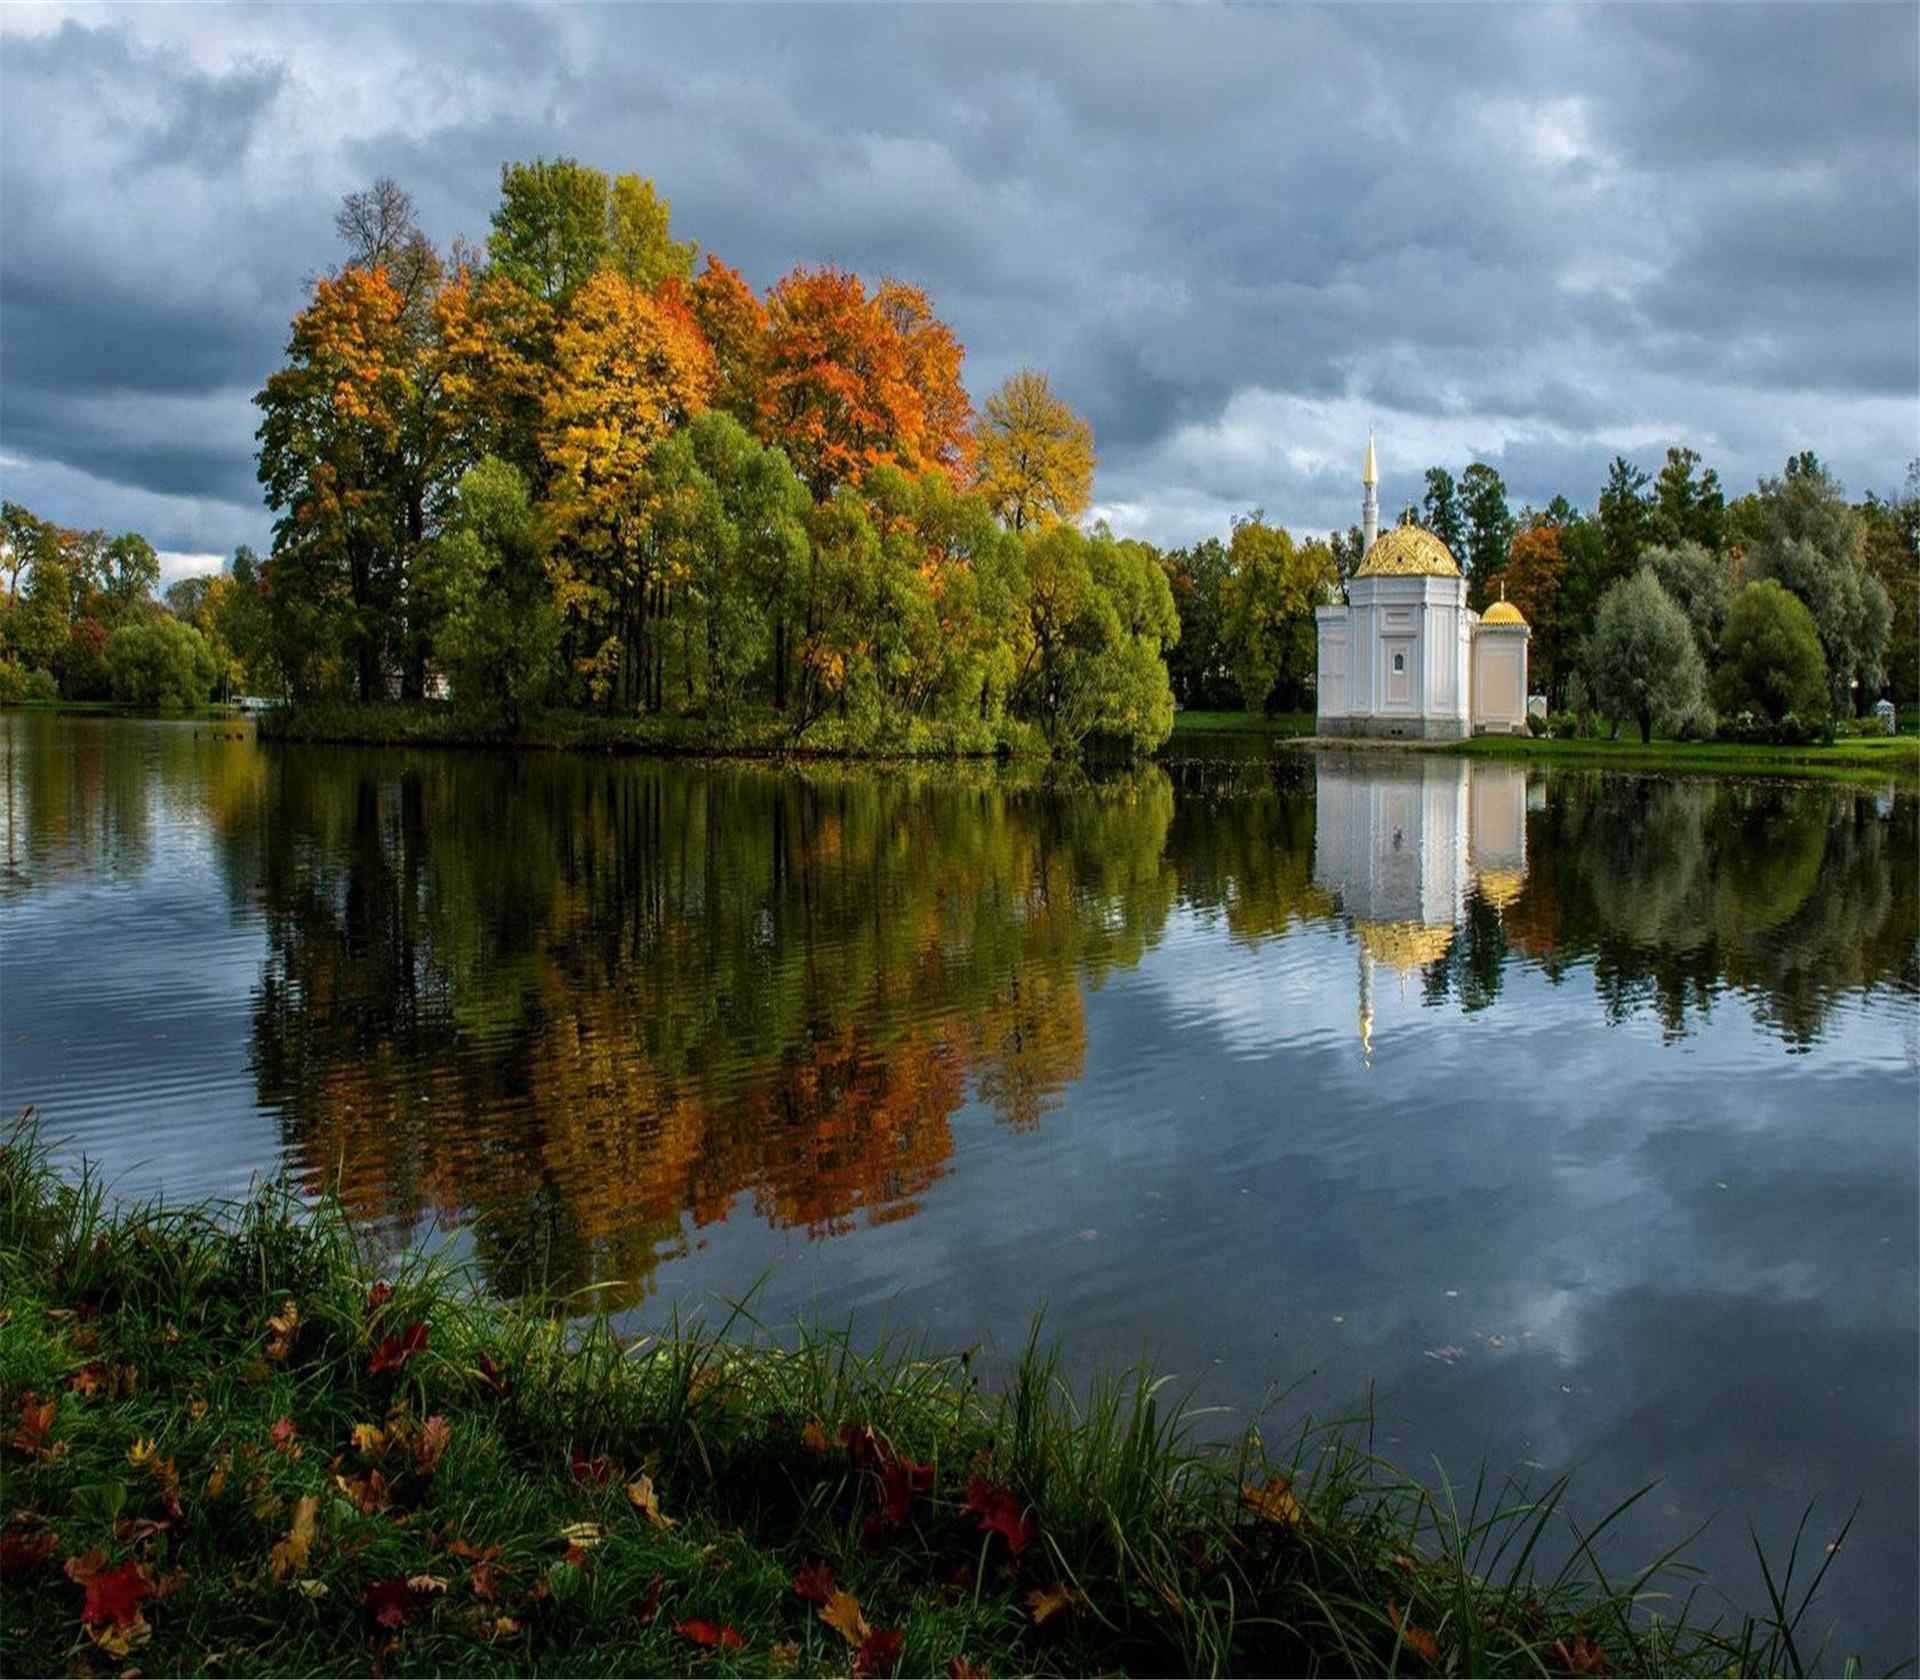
[1500, 887]
[1502, 612]
[1404, 945]
[1407, 551]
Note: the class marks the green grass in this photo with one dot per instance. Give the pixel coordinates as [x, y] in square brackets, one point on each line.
[164, 1432]
[749, 734]
[1243, 723]
[1890, 755]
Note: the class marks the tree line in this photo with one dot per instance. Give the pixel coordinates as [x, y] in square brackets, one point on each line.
[1645, 607]
[575, 466]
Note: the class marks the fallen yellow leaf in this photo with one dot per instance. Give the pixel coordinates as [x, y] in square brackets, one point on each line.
[645, 1500]
[1273, 1503]
[1045, 1602]
[842, 1613]
[369, 1439]
[583, 1534]
[427, 1583]
[289, 1557]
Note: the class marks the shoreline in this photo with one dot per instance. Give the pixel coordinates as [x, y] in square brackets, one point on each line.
[231, 1439]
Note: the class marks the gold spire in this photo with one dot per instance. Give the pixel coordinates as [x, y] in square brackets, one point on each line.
[1372, 474]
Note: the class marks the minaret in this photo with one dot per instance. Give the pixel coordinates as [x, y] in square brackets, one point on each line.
[1370, 508]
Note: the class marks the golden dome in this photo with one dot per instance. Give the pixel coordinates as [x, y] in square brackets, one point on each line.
[1404, 945]
[1407, 551]
[1500, 887]
[1502, 611]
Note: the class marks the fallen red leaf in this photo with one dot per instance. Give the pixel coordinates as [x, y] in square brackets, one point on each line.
[377, 1297]
[1000, 1512]
[490, 1374]
[879, 1652]
[395, 1351]
[390, 1601]
[114, 1595]
[814, 1583]
[961, 1668]
[709, 1634]
[863, 1446]
[1583, 1656]
[36, 1418]
[591, 1471]
[1415, 1638]
[900, 1480]
[431, 1443]
[646, 1606]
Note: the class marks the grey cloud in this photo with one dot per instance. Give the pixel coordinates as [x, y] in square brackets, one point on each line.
[1553, 219]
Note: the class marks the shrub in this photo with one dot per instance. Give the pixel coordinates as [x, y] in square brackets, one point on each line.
[1770, 658]
[160, 663]
[13, 682]
[1538, 725]
[41, 686]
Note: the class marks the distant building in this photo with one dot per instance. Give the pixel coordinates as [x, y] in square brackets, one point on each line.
[1404, 655]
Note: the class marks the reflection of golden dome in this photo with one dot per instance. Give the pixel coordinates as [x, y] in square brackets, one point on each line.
[1500, 887]
[1404, 945]
[1502, 611]
[1407, 551]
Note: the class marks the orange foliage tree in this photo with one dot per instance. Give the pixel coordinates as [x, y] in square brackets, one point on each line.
[1535, 567]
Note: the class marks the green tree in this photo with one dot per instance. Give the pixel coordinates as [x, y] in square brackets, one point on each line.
[639, 244]
[1686, 509]
[1697, 581]
[1626, 520]
[1198, 669]
[1641, 659]
[1444, 515]
[24, 540]
[161, 662]
[39, 626]
[1815, 545]
[1489, 528]
[1893, 556]
[1267, 603]
[1770, 658]
[500, 635]
[129, 569]
[550, 228]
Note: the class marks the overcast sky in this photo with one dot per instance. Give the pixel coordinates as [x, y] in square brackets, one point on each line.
[1536, 236]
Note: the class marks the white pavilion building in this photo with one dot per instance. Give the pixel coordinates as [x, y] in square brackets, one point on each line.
[1404, 655]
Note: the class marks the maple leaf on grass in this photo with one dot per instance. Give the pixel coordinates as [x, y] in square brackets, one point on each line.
[962, 1668]
[879, 1652]
[814, 1582]
[647, 1605]
[710, 1634]
[1582, 1656]
[1043, 1602]
[393, 1353]
[1000, 1512]
[112, 1614]
[390, 1601]
[430, 1445]
[289, 1556]
[24, 1549]
[1415, 1638]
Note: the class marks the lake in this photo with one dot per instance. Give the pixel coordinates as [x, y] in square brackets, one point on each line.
[1574, 1118]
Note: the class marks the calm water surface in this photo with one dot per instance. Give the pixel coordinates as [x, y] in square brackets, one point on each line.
[1574, 1115]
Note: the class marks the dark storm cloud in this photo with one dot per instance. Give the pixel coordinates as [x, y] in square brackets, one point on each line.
[1232, 235]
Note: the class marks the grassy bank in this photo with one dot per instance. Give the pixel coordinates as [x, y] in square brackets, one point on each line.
[231, 1447]
[754, 734]
[1887, 755]
[1242, 723]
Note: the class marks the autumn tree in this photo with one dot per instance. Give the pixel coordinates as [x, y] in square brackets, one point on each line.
[629, 368]
[1892, 543]
[331, 460]
[640, 246]
[932, 357]
[1532, 579]
[379, 229]
[734, 323]
[1035, 454]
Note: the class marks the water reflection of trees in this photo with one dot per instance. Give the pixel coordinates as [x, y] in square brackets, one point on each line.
[1676, 890]
[586, 1002]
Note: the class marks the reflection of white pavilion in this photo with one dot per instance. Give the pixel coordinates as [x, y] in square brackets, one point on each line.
[1399, 843]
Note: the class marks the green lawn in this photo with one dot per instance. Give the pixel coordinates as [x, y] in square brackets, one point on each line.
[1242, 723]
[1896, 756]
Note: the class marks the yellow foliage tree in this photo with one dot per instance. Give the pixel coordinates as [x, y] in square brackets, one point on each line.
[1036, 455]
[629, 367]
